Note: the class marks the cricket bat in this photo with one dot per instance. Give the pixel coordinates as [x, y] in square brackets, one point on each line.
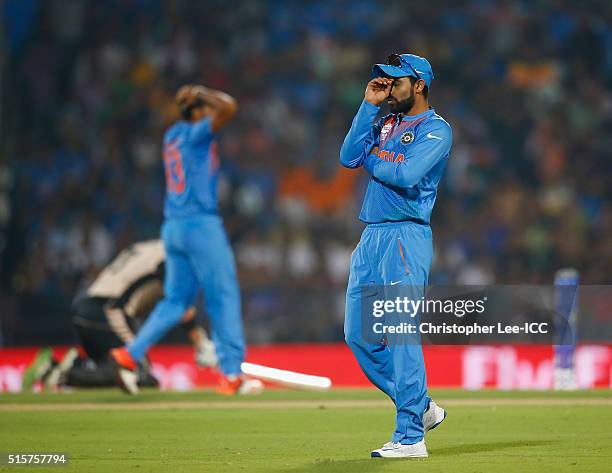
[287, 378]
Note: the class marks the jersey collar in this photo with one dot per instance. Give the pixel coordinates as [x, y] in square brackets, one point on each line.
[424, 114]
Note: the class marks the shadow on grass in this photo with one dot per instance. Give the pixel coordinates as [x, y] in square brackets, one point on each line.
[352, 466]
[486, 447]
[369, 464]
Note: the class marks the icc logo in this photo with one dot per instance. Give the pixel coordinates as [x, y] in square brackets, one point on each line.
[407, 137]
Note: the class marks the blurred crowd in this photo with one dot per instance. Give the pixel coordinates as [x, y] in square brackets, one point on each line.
[525, 86]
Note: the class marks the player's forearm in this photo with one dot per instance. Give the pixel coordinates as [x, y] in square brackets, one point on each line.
[425, 153]
[219, 100]
[358, 141]
[224, 105]
[397, 174]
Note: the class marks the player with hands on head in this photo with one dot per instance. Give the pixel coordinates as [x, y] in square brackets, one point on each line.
[198, 253]
[196, 102]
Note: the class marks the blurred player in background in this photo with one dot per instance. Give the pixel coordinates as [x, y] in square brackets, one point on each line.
[405, 154]
[108, 315]
[198, 253]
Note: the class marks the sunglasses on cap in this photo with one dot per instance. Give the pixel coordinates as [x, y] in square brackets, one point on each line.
[396, 60]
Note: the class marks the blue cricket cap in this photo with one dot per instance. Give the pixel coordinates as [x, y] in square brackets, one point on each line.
[404, 65]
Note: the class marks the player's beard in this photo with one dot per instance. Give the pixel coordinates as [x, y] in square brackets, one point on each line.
[403, 106]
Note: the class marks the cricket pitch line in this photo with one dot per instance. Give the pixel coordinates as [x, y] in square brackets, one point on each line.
[297, 404]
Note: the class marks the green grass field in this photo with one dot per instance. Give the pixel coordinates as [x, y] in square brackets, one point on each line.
[288, 431]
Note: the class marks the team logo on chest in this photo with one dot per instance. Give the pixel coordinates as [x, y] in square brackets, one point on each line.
[407, 137]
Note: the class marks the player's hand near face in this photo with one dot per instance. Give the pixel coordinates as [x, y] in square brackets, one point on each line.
[378, 90]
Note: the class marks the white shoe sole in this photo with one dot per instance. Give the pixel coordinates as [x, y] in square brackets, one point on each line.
[407, 451]
[379, 455]
[127, 380]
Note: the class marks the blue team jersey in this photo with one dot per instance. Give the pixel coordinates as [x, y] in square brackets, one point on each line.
[192, 167]
[406, 170]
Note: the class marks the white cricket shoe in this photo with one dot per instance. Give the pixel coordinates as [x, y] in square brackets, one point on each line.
[397, 450]
[433, 416]
[128, 380]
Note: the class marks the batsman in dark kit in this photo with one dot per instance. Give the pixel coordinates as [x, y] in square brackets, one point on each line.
[108, 315]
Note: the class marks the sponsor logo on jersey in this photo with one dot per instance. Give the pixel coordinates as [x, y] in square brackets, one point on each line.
[390, 156]
[385, 130]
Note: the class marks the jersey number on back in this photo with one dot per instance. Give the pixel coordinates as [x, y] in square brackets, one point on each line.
[175, 176]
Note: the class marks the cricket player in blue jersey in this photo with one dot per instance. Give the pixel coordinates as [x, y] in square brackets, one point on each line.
[405, 154]
[198, 254]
